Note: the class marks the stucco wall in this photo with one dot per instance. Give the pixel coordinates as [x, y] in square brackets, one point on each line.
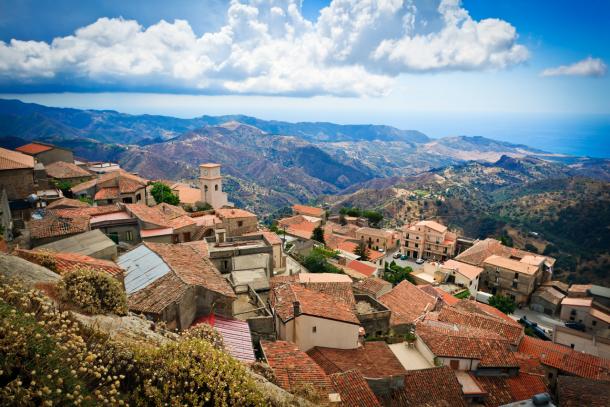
[328, 333]
[583, 342]
[18, 183]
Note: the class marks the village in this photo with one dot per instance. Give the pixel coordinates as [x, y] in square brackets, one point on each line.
[366, 316]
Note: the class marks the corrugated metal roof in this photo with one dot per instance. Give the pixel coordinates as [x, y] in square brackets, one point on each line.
[142, 266]
[236, 336]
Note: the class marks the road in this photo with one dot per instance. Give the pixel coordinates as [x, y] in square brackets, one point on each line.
[544, 321]
[402, 263]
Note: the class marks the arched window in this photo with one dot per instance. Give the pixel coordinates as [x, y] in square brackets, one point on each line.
[205, 188]
[216, 187]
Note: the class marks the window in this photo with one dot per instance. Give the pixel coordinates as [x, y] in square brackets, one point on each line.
[454, 364]
[127, 200]
[416, 245]
[129, 235]
[314, 329]
[138, 197]
[240, 223]
[216, 187]
[186, 236]
[175, 238]
[515, 284]
[573, 312]
[516, 276]
[226, 264]
[205, 188]
[572, 345]
[594, 322]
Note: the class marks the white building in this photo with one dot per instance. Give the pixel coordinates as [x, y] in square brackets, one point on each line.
[211, 185]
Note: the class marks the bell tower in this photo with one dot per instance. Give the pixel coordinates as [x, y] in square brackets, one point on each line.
[211, 185]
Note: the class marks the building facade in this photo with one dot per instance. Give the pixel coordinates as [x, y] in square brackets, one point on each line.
[428, 240]
[211, 185]
[516, 279]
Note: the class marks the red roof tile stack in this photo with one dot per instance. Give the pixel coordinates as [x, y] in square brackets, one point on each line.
[353, 389]
[67, 262]
[293, 368]
[407, 303]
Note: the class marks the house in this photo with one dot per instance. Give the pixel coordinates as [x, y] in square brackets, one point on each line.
[373, 286]
[299, 226]
[594, 316]
[353, 389]
[462, 274]
[163, 223]
[16, 174]
[546, 299]
[235, 336]
[46, 153]
[66, 173]
[562, 360]
[93, 243]
[210, 182]
[436, 386]
[237, 222]
[377, 239]
[309, 211]
[310, 318]
[113, 187]
[428, 239]
[576, 392]
[596, 344]
[408, 304]
[63, 263]
[513, 278]
[174, 284]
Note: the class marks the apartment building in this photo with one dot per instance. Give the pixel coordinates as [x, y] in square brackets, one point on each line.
[378, 238]
[428, 239]
[516, 279]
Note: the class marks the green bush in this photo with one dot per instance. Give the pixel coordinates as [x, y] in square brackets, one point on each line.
[163, 193]
[94, 292]
[207, 332]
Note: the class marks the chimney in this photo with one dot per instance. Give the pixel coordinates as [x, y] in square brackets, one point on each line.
[296, 307]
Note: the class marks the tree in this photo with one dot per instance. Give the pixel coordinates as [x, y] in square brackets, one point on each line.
[395, 274]
[316, 262]
[163, 193]
[318, 234]
[531, 248]
[504, 304]
[362, 251]
[373, 217]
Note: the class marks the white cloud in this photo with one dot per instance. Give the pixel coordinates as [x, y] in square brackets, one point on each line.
[356, 47]
[587, 67]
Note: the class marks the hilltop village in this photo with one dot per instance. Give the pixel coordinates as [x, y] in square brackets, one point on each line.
[338, 310]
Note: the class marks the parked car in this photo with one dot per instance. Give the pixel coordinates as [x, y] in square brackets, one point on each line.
[381, 250]
[397, 255]
[404, 257]
[575, 325]
[419, 261]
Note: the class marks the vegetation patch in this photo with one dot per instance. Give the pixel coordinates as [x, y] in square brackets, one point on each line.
[94, 292]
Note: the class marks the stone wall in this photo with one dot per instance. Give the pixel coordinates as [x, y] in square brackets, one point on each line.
[18, 183]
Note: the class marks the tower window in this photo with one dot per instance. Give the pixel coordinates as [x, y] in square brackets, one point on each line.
[205, 188]
[216, 187]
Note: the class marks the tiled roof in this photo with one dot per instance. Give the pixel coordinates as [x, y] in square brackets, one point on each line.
[579, 288]
[84, 211]
[439, 293]
[34, 148]
[481, 250]
[372, 360]
[465, 269]
[577, 302]
[497, 389]
[549, 294]
[432, 225]
[234, 213]
[353, 389]
[62, 170]
[407, 303]
[566, 359]
[163, 215]
[67, 203]
[106, 193]
[599, 314]
[67, 262]
[576, 392]
[187, 194]
[512, 332]
[371, 285]
[292, 220]
[309, 210]
[386, 234]
[484, 309]
[124, 181]
[510, 264]
[84, 186]
[12, 160]
[464, 344]
[53, 225]
[335, 285]
[159, 294]
[311, 303]
[362, 268]
[292, 367]
[436, 387]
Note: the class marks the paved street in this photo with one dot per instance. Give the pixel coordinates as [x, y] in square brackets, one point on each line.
[402, 263]
[544, 321]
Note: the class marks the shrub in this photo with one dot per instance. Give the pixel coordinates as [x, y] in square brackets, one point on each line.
[207, 332]
[163, 193]
[503, 303]
[94, 292]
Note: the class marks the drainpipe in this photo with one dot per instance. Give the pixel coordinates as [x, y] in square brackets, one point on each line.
[296, 310]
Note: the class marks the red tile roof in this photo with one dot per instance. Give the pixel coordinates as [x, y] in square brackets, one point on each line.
[67, 203]
[497, 389]
[439, 293]
[566, 359]
[233, 213]
[308, 210]
[576, 392]
[34, 148]
[53, 225]
[292, 367]
[511, 331]
[341, 290]
[362, 268]
[372, 360]
[235, 334]
[163, 215]
[311, 302]
[106, 193]
[353, 389]
[484, 309]
[372, 285]
[434, 387]
[12, 160]
[407, 303]
[67, 262]
[63, 170]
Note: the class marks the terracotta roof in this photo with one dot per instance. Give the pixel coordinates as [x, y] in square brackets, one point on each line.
[309, 210]
[447, 342]
[121, 179]
[576, 392]
[187, 194]
[511, 331]
[162, 215]
[577, 302]
[432, 225]
[335, 285]
[303, 230]
[67, 203]
[159, 294]
[510, 264]
[467, 270]
[292, 220]
[362, 268]
[434, 387]
[311, 303]
[407, 303]
[67, 262]
[438, 292]
[601, 315]
[53, 225]
[386, 234]
[292, 367]
[347, 246]
[372, 360]
[371, 285]
[34, 148]
[353, 389]
[62, 170]
[566, 359]
[484, 309]
[549, 294]
[233, 213]
[87, 211]
[12, 160]
[106, 193]
[374, 255]
[84, 186]
[497, 389]
[483, 249]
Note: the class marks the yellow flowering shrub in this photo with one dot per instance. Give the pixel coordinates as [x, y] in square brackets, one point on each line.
[94, 292]
[207, 332]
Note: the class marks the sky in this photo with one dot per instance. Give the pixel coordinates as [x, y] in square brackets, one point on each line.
[347, 60]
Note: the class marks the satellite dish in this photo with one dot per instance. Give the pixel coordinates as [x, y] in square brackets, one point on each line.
[32, 198]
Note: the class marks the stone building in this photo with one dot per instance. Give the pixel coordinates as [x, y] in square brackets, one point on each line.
[428, 240]
[211, 186]
[113, 187]
[16, 174]
[237, 222]
[61, 171]
[46, 153]
[377, 239]
[516, 279]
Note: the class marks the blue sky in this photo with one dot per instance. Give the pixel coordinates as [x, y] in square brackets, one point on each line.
[358, 61]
